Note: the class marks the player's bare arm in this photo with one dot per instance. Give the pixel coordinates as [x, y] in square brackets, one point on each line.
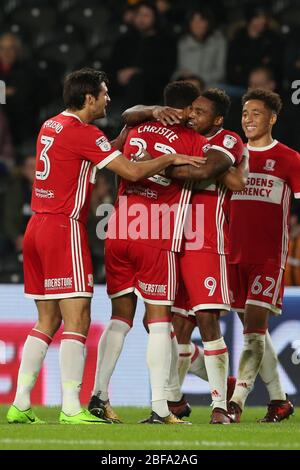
[134, 172]
[235, 178]
[216, 164]
[164, 114]
[119, 141]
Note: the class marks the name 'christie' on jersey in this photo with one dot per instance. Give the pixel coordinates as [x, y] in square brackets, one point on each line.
[215, 197]
[261, 210]
[152, 211]
[69, 152]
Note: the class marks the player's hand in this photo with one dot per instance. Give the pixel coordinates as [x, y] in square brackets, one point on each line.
[167, 115]
[186, 160]
[142, 157]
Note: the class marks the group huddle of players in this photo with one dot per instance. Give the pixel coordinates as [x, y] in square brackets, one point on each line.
[220, 243]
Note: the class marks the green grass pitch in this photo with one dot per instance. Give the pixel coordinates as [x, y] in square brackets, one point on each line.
[247, 435]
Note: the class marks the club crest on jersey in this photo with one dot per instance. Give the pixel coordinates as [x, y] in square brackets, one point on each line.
[103, 143]
[229, 141]
[270, 165]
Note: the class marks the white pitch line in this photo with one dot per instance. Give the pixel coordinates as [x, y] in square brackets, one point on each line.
[166, 444]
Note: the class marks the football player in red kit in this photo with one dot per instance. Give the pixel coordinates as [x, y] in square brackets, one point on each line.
[258, 247]
[204, 289]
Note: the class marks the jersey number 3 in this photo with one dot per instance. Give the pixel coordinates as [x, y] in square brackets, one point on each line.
[47, 142]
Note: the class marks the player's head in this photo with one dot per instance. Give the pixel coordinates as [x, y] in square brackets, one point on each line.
[260, 111]
[180, 94]
[87, 88]
[208, 111]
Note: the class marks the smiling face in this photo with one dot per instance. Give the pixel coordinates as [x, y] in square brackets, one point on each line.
[257, 120]
[202, 116]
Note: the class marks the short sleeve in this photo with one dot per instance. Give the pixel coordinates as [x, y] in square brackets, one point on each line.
[232, 146]
[95, 147]
[294, 174]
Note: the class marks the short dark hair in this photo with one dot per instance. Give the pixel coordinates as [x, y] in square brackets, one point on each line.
[80, 83]
[220, 100]
[269, 98]
[180, 94]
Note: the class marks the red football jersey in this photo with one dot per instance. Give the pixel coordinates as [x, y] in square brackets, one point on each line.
[215, 197]
[69, 152]
[152, 211]
[259, 214]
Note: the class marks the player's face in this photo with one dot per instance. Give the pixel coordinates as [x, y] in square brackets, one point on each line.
[202, 115]
[101, 102]
[257, 119]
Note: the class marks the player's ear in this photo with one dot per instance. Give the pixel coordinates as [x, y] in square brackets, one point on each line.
[273, 119]
[89, 99]
[218, 121]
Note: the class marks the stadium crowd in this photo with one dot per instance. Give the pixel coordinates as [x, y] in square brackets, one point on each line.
[142, 46]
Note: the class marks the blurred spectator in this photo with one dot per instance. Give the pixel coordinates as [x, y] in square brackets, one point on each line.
[21, 87]
[262, 77]
[142, 59]
[103, 194]
[6, 148]
[169, 17]
[253, 45]
[292, 58]
[194, 80]
[127, 18]
[202, 50]
[17, 211]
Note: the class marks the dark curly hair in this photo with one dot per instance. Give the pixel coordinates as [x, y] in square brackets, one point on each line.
[180, 94]
[220, 100]
[269, 98]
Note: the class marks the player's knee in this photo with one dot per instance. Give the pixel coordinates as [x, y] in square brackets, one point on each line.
[209, 326]
[183, 329]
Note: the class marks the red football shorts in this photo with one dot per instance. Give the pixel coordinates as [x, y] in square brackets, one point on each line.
[147, 271]
[256, 284]
[203, 283]
[57, 260]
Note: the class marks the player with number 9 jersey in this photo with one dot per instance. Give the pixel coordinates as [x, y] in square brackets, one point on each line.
[203, 271]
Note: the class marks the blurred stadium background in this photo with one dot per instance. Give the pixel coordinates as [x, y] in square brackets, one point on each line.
[232, 44]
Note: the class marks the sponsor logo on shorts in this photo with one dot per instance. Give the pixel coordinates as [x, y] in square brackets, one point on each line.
[58, 283]
[44, 193]
[153, 289]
